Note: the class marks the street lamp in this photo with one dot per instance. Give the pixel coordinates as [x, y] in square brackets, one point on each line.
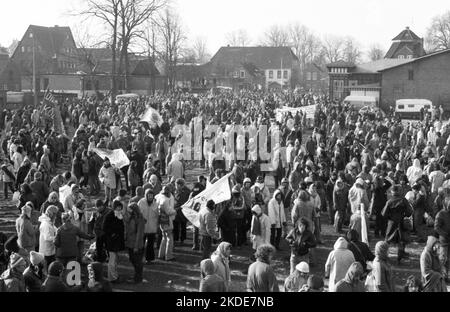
[34, 71]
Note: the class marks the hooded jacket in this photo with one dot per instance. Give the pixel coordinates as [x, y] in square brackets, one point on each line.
[210, 282]
[150, 213]
[26, 233]
[381, 270]
[222, 263]
[47, 234]
[338, 263]
[352, 282]
[414, 172]
[276, 211]
[264, 225]
[356, 197]
[13, 281]
[430, 268]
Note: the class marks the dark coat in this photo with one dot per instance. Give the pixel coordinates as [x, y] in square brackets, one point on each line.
[66, 240]
[301, 243]
[114, 230]
[395, 210]
[33, 283]
[54, 284]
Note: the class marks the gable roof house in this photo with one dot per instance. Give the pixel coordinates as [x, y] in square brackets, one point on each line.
[243, 67]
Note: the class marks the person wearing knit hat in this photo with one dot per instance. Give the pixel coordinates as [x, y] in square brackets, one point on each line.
[13, 277]
[34, 274]
[298, 278]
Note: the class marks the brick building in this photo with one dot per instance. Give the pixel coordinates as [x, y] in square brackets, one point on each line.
[426, 77]
[247, 67]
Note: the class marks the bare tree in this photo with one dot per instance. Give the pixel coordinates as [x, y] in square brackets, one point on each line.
[172, 39]
[376, 52]
[276, 36]
[108, 12]
[200, 50]
[238, 38]
[133, 15]
[305, 44]
[438, 34]
[352, 52]
[333, 48]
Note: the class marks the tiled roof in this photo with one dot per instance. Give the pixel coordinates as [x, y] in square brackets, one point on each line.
[417, 48]
[341, 63]
[262, 57]
[376, 66]
[407, 35]
[420, 58]
[51, 39]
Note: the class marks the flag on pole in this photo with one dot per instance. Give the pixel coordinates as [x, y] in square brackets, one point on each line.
[53, 111]
[218, 192]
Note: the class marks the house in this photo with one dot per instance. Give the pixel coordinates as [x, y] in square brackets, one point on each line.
[366, 79]
[54, 51]
[314, 78]
[426, 77]
[248, 67]
[406, 45]
[9, 74]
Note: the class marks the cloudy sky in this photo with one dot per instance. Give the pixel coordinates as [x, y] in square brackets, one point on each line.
[368, 21]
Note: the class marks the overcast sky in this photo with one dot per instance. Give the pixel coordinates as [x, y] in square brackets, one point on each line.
[369, 21]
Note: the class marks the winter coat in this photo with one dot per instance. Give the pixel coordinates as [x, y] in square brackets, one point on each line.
[381, 270]
[66, 240]
[265, 226]
[150, 214]
[305, 210]
[134, 232]
[40, 191]
[222, 266]
[340, 199]
[351, 283]
[430, 268]
[47, 234]
[114, 230]
[26, 233]
[107, 176]
[261, 278]
[276, 211]
[414, 172]
[13, 281]
[54, 284]
[133, 177]
[338, 262]
[356, 197]
[396, 209]
[210, 282]
[33, 283]
[442, 227]
[208, 223]
[167, 206]
[301, 242]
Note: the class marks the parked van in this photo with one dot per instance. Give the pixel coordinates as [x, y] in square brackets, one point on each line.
[411, 108]
[359, 101]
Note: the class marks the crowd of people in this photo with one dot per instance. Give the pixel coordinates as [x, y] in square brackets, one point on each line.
[352, 170]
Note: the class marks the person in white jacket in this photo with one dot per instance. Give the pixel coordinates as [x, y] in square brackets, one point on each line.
[107, 177]
[167, 213]
[47, 234]
[260, 228]
[264, 190]
[149, 209]
[338, 262]
[277, 218]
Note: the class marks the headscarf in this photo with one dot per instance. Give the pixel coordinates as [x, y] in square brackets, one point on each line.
[381, 250]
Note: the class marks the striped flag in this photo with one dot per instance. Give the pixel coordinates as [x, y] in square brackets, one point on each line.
[48, 96]
[53, 111]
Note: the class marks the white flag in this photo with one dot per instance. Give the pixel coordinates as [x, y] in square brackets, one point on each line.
[117, 157]
[364, 236]
[152, 117]
[218, 192]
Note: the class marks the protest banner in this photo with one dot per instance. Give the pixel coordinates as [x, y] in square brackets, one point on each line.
[310, 110]
[64, 192]
[218, 192]
[117, 157]
[152, 117]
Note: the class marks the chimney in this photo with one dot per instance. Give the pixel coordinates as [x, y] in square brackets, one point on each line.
[407, 27]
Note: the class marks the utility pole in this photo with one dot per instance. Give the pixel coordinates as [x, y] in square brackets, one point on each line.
[282, 75]
[34, 71]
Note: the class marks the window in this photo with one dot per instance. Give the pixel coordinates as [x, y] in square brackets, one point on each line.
[401, 107]
[410, 105]
[401, 57]
[242, 74]
[46, 83]
[410, 74]
[314, 76]
[270, 74]
[23, 49]
[279, 74]
[409, 56]
[236, 74]
[285, 74]
[308, 76]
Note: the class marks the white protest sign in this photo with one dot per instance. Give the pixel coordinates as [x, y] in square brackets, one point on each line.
[117, 157]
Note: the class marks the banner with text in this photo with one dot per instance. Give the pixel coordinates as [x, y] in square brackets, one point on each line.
[117, 157]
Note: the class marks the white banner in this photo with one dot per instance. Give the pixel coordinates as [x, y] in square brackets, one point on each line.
[152, 117]
[218, 192]
[64, 192]
[117, 157]
[310, 110]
